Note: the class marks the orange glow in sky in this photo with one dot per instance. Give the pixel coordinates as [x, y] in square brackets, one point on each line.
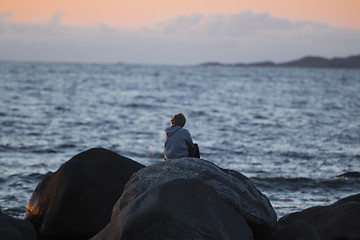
[137, 13]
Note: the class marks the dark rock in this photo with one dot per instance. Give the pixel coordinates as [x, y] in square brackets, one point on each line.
[352, 198]
[231, 187]
[349, 175]
[76, 201]
[16, 229]
[178, 209]
[297, 230]
[341, 220]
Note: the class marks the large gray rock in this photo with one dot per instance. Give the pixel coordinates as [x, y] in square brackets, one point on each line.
[178, 209]
[228, 189]
[76, 201]
[16, 229]
[340, 220]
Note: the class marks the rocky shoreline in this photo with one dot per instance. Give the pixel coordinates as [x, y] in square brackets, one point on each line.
[99, 194]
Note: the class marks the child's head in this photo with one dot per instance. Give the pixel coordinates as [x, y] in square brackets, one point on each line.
[178, 120]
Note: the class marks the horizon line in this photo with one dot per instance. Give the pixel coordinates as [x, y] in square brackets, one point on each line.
[178, 64]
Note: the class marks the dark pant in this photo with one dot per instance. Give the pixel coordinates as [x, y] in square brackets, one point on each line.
[194, 151]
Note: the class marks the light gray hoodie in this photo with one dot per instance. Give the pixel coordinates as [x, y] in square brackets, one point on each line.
[178, 141]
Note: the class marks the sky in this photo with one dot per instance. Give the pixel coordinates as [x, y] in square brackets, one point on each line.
[177, 32]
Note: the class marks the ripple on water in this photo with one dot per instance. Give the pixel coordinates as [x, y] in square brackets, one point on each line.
[290, 130]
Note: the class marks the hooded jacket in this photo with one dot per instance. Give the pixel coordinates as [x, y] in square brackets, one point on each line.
[178, 141]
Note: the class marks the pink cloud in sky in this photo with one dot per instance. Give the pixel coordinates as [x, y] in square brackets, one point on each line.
[138, 13]
[188, 39]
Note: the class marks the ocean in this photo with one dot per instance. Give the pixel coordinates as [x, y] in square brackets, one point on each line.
[292, 131]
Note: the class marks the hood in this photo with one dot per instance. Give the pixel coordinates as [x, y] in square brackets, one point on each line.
[172, 130]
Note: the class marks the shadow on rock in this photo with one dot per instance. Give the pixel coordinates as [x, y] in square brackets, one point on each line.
[297, 230]
[16, 229]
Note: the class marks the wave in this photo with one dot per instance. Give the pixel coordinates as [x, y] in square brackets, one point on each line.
[349, 180]
[26, 149]
[16, 212]
[298, 155]
[140, 105]
[39, 149]
[23, 178]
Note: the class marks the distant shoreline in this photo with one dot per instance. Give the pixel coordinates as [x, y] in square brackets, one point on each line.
[352, 62]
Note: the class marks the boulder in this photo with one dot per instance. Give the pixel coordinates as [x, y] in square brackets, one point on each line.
[178, 209]
[353, 198]
[76, 201]
[228, 189]
[297, 230]
[16, 229]
[340, 220]
[349, 175]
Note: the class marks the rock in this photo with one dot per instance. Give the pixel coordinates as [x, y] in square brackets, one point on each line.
[352, 198]
[341, 220]
[76, 201]
[297, 230]
[178, 209]
[229, 189]
[16, 229]
[349, 175]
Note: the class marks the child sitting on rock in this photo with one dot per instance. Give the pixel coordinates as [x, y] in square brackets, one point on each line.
[178, 141]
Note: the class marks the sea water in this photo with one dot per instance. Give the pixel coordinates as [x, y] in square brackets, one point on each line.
[290, 130]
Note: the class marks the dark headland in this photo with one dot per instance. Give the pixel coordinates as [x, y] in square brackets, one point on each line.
[309, 61]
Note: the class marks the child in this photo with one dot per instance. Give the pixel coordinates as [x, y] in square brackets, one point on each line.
[178, 141]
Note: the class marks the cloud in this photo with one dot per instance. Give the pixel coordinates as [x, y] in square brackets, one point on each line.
[240, 37]
[55, 19]
[5, 15]
[240, 24]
